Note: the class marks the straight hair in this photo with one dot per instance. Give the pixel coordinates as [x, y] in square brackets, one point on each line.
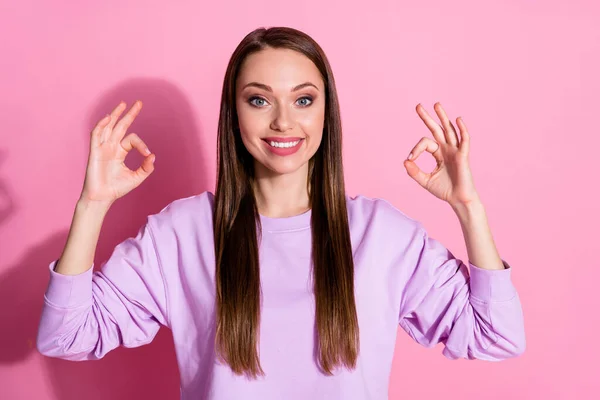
[237, 226]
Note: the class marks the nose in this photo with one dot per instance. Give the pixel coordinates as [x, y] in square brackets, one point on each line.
[283, 119]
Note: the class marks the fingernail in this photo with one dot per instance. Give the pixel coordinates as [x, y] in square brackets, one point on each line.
[147, 151]
[410, 156]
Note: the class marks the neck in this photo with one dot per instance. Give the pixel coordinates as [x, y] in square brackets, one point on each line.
[281, 195]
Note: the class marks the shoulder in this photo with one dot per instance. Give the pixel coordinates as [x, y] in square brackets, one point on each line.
[185, 212]
[369, 211]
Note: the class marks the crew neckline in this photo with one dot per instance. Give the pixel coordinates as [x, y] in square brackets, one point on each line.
[300, 221]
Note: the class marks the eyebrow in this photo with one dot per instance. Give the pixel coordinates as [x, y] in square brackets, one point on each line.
[269, 89]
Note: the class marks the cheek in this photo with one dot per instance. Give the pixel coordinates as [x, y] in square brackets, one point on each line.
[313, 126]
[251, 125]
[251, 129]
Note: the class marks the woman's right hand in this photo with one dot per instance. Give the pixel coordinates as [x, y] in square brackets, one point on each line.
[107, 178]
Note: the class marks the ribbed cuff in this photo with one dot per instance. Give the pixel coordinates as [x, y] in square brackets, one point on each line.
[491, 285]
[69, 291]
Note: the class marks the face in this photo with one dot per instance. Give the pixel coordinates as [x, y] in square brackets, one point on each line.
[280, 99]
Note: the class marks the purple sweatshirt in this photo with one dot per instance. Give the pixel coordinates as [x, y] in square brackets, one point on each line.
[166, 276]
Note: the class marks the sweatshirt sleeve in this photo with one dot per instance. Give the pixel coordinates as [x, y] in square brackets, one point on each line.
[475, 316]
[85, 316]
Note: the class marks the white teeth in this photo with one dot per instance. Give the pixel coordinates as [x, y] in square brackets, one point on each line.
[284, 145]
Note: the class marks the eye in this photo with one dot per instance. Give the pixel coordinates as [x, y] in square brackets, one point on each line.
[255, 101]
[306, 98]
[251, 99]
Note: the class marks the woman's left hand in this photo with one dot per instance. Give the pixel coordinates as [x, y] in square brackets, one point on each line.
[451, 180]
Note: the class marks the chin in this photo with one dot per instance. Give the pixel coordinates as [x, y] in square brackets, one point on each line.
[283, 167]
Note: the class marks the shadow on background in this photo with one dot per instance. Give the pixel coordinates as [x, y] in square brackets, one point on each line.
[166, 124]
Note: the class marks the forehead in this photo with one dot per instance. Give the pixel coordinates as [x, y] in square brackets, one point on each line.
[279, 68]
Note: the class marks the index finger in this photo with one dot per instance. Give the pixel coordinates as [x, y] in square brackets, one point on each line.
[433, 126]
[121, 128]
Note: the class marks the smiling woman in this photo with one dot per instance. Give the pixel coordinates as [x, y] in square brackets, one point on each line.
[280, 99]
[284, 98]
[280, 285]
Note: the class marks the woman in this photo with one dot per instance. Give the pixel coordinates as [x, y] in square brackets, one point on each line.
[280, 286]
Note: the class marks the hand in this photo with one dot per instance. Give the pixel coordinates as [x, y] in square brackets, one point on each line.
[451, 180]
[107, 177]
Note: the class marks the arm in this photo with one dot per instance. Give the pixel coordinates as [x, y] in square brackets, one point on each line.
[475, 316]
[478, 236]
[82, 240]
[85, 313]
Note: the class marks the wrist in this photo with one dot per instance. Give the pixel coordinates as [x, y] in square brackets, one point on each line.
[85, 205]
[468, 210]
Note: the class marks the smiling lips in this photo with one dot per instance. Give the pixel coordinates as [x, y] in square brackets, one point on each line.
[283, 146]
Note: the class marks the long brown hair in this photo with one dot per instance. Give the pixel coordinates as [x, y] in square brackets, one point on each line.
[237, 225]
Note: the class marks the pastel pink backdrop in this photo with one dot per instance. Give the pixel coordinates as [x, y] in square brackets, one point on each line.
[522, 74]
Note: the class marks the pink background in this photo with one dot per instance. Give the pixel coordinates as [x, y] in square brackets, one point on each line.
[524, 75]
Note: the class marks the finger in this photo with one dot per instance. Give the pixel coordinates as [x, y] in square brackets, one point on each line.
[95, 135]
[146, 168]
[465, 137]
[415, 172]
[436, 130]
[121, 128]
[114, 117]
[449, 131]
[425, 144]
[132, 141]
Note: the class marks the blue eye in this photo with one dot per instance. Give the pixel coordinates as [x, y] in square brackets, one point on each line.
[253, 98]
[306, 98]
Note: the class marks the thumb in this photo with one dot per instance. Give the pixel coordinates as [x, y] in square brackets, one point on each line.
[415, 172]
[145, 169]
